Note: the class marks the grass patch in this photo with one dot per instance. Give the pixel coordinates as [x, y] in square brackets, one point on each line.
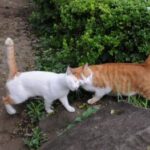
[135, 100]
[138, 101]
[35, 110]
[36, 139]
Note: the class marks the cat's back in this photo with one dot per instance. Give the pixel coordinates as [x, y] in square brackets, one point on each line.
[120, 68]
[33, 75]
[34, 78]
[120, 76]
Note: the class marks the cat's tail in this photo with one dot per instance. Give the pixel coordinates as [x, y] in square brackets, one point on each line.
[11, 58]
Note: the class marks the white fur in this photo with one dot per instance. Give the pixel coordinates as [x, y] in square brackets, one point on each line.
[99, 93]
[49, 85]
[10, 109]
[9, 42]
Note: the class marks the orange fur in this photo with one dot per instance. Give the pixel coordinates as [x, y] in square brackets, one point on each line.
[7, 100]
[122, 78]
[13, 70]
[147, 61]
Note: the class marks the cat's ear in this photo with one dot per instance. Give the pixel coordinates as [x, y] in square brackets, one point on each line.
[86, 66]
[69, 72]
[147, 61]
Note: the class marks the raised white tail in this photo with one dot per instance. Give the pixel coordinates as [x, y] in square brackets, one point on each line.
[11, 58]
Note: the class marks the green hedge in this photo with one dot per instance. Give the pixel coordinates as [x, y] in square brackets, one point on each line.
[78, 31]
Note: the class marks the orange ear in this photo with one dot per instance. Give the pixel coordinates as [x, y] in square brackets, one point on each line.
[87, 69]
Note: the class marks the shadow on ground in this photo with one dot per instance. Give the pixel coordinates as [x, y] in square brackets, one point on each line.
[127, 130]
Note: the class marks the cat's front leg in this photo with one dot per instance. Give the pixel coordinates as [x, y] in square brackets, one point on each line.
[99, 93]
[93, 100]
[64, 101]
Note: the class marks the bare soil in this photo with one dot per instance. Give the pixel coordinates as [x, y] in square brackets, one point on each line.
[14, 24]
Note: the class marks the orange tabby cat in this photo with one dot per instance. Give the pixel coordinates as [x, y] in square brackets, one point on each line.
[119, 78]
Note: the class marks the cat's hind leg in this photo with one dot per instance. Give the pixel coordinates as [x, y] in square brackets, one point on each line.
[64, 101]
[99, 93]
[8, 105]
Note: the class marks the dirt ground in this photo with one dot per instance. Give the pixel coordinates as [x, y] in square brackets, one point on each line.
[13, 23]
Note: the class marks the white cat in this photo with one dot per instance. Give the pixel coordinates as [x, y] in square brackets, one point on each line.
[51, 86]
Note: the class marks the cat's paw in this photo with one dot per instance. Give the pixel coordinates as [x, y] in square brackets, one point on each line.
[12, 112]
[10, 109]
[71, 109]
[49, 111]
[92, 101]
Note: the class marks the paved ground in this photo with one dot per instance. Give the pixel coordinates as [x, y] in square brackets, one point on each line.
[13, 23]
[129, 129]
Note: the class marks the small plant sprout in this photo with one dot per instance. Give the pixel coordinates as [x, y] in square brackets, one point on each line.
[35, 140]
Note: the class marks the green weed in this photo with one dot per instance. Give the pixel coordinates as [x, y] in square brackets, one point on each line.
[86, 114]
[134, 100]
[35, 110]
[35, 140]
[138, 101]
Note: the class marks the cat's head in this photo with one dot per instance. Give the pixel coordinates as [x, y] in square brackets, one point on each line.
[83, 73]
[72, 81]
